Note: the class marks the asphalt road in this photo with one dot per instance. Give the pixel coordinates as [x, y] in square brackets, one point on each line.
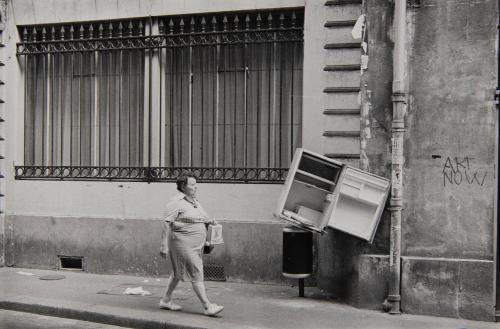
[21, 320]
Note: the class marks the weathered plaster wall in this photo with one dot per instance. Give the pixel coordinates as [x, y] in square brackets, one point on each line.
[376, 88]
[348, 267]
[137, 200]
[251, 252]
[450, 160]
[53, 11]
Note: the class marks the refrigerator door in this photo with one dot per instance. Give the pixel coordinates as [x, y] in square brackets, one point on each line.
[358, 203]
[308, 189]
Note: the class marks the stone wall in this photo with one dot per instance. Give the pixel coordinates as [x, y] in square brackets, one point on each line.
[449, 224]
[251, 252]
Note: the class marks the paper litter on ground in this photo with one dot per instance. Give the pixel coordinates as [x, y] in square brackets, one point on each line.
[25, 273]
[136, 291]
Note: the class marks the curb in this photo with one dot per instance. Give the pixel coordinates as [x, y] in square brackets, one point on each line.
[103, 318]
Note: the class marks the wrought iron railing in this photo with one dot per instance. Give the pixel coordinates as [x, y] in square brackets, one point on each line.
[153, 174]
[212, 109]
[170, 40]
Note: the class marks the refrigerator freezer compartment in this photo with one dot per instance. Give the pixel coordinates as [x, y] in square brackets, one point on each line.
[319, 167]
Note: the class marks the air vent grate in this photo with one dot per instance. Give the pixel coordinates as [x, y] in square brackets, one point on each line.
[71, 263]
[214, 272]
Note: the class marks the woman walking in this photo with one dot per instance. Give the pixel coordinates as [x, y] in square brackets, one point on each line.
[183, 239]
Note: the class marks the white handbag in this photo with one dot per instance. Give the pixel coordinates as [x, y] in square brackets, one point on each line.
[214, 235]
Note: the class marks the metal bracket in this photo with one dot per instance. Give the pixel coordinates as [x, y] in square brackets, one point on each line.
[413, 3]
[497, 98]
[394, 298]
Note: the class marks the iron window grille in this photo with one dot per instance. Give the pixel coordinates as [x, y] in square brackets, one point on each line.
[148, 99]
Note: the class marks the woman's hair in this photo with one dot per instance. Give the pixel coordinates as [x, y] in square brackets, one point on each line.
[182, 181]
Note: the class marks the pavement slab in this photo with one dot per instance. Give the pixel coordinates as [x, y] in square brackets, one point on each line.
[101, 298]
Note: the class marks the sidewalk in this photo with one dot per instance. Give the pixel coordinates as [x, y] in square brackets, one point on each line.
[100, 298]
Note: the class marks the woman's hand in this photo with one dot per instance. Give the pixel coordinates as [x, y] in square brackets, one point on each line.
[163, 254]
[212, 221]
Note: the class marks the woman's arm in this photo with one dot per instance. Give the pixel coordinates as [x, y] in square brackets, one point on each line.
[169, 216]
[165, 233]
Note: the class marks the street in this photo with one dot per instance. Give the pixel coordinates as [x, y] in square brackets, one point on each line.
[22, 320]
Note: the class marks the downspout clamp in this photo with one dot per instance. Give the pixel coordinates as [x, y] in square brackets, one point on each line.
[399, 101]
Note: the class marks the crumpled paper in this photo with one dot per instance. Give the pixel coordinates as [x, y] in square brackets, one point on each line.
[136, 291]
[25, 273]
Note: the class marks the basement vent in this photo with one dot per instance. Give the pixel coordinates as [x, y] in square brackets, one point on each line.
[71, 263]
[213, 272]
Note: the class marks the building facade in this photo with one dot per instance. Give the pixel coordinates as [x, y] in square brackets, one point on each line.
[106, 102]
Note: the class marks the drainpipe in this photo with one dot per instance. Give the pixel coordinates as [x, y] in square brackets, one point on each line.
[398, 129]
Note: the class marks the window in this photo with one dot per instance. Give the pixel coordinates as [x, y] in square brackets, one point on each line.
[83, 108]
[218, 95]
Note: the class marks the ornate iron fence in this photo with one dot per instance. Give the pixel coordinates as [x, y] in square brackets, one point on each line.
[153, 174]
[147, 99]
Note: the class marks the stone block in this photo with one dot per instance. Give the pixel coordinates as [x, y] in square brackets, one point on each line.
[343, 78]
[2, 241]
[341, 101]
[342, 56]
[24, 12]
[348, 145]
[338, 122]
[476, 300]
[372, 281]
[456, 288]
[429, 287]
[340, 35]
[343, 12]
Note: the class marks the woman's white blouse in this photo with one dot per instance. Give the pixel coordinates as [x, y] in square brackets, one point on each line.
[179, 208]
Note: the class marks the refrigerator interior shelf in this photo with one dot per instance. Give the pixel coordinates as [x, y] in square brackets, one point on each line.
[314, 176]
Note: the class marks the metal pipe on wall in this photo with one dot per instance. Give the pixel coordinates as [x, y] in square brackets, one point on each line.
[399, 100]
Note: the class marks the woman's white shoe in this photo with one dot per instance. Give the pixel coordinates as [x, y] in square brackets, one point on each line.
[169, 306]
[213, 309]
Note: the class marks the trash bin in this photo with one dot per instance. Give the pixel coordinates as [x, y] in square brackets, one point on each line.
[297, 255]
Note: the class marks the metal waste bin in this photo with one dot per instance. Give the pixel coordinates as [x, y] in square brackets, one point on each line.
[297, 255]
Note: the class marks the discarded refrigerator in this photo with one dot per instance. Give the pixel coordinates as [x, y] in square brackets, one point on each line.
[322, 193]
